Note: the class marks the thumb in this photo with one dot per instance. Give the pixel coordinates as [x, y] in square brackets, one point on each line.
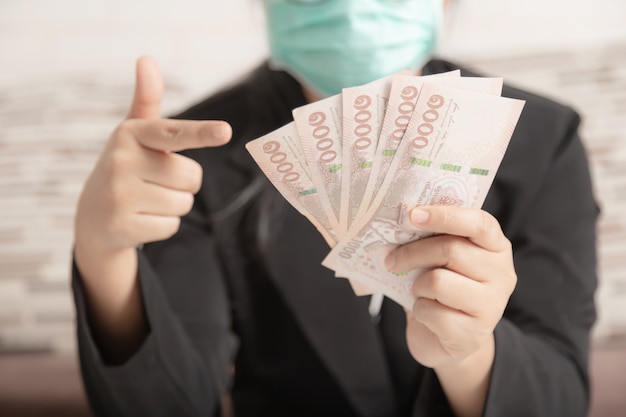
[148, 90]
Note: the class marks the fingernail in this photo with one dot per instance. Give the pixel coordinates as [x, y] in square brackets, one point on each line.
[419, 216]
[390, 261]
[220, 131]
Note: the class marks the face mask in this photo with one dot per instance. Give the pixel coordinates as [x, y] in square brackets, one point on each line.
[332, 44]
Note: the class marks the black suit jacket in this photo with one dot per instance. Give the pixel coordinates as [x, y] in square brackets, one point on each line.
[238, 302]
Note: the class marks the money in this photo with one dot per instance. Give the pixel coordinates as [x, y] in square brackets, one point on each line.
[403, 94]
[404, 84]
[448, 156]
[281, 158]
[363, 113]
[357, 163]
[320, 132]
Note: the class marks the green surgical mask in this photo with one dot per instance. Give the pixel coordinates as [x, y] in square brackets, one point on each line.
[332, 44]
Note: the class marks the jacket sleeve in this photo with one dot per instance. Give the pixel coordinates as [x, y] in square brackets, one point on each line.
[546, 206]
[542, 343]
[184, 364]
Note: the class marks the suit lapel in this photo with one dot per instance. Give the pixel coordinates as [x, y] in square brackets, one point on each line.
[333, 319]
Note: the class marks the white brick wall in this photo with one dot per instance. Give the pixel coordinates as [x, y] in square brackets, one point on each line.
[66, 78]
[206, 41]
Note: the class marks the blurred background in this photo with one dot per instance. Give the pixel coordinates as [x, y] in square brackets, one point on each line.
[66, 79]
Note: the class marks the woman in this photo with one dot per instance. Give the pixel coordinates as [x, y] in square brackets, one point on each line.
[230, 304]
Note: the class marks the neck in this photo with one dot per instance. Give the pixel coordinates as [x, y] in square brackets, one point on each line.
[311, 96]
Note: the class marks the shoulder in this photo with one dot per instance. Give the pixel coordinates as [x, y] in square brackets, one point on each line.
[253, 105]
[546, 131]
[545, 125]
[542, 118]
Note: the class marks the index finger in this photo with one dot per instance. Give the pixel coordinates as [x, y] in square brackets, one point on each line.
[477, 225]
[177, 135]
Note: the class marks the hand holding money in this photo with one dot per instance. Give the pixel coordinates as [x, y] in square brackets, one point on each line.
[440, 142]
[467, 280]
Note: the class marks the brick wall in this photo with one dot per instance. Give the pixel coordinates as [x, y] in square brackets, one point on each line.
[66, 80]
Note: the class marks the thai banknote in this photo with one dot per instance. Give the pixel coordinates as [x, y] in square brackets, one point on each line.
[319, 126]
[403, 94]
[363, 113]
[392, 133]
[281, 158]
[449, 154]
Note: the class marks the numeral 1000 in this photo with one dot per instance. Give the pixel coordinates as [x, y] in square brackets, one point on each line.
[361, 118]
[429, 117]
[279, 159]
[405, 110]
[323, 142]
[350, 249]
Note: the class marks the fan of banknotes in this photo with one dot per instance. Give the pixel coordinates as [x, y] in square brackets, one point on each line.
[356, 163]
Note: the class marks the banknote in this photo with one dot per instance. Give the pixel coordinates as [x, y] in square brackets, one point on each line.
[486, 85]
[357, 163]
[319, 126]
[409, 86]
[448, 155]
[280, 156]
[363, 113]
[403, 94]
